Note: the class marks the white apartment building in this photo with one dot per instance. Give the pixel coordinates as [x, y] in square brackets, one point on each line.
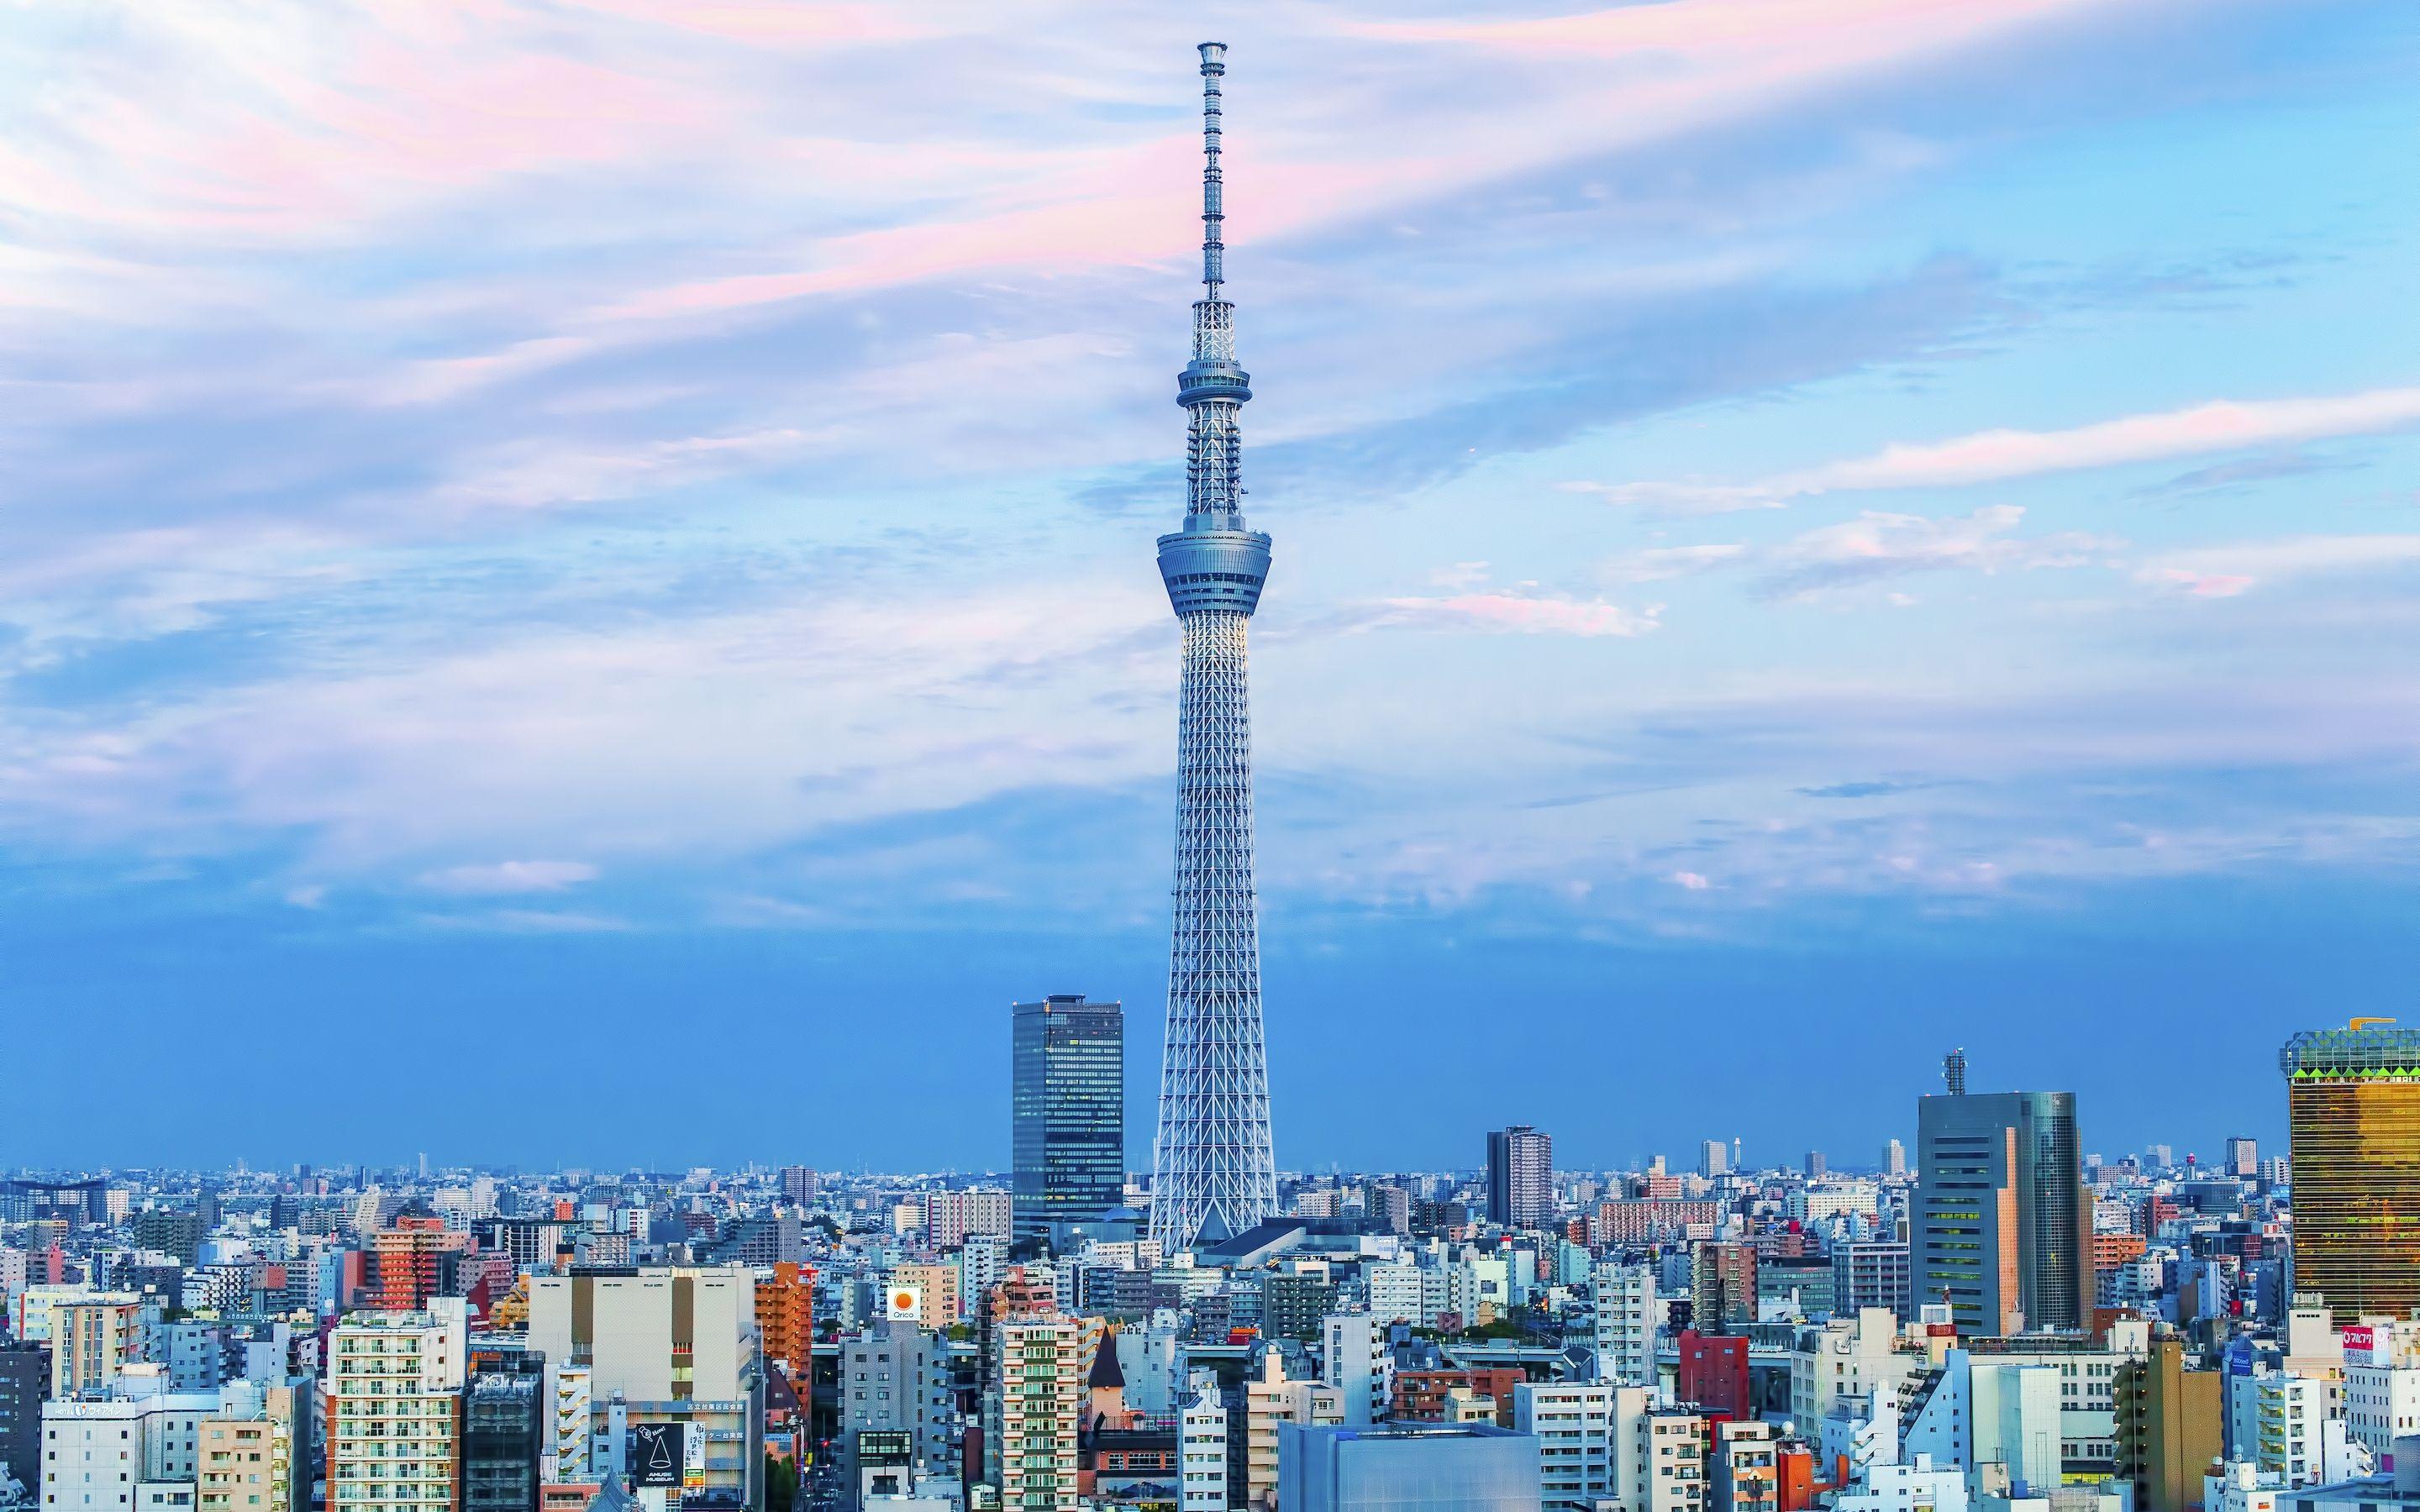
[1395, 1293]
[569, 1389]
[1201, 1448]
[1356, 1361]
[1572, 1420]
[2276, 1422]
[394, 1410]
[1628, 1315]
[2240, 1487]
[1660, 1454]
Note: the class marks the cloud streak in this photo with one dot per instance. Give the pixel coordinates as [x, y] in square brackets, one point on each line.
[2005, 454]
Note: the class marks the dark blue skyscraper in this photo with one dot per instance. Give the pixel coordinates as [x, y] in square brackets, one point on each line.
[1067, 1111]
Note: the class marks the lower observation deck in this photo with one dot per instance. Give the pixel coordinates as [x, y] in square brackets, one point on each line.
[1213, 569]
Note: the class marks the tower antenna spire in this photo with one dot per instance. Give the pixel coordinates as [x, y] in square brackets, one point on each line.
[1214, 212]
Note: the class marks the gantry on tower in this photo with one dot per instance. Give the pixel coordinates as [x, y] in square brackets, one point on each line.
[1214, 1173]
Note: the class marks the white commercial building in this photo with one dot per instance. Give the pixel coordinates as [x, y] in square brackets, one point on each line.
[1626, 1319]
[116, 1455]
[1842, 1364]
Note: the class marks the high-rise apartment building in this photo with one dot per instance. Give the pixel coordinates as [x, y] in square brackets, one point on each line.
[1572, 1421]
[1067, 1110]
[2243, 1157]
[1627, 1320]
[1269, 1404]
[394, 1410]
[2171, 1425]
[2002, 1227]
[1894, 1159]
[1520, 1176]
[894, 1379]
[800, 1184]
[1037, 1400]
[952, 1213]
[1356, 1360]
[1714, 1159]
[785, 1319]
[1722, 1287]
[2353, 1107]
[1873, 1274]
[91, 1337]
[413, 1261]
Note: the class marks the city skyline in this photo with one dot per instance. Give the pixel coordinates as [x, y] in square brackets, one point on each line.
[1893, 519]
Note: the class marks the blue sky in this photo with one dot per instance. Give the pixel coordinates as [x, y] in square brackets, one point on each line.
[577, 576]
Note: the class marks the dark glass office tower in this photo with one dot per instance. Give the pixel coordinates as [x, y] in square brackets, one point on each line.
[1067, 1111]
[2002, 1227]
[503, 1433]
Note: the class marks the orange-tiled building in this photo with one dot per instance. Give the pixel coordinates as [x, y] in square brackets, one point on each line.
[412, 1262]
[2109, 1251]
[785, 1312]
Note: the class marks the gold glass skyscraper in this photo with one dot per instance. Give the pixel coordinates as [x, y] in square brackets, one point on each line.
[2353, 1103]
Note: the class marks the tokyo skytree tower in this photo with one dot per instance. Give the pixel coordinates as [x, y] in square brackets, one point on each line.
[1214, 1173]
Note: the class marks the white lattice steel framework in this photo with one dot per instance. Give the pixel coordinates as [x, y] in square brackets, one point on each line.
[1214, 1169]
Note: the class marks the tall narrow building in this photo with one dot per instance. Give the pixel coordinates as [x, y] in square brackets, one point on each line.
[1520, 1176]
[1213, 1172]
[1067, 1114]
[2002, 1227]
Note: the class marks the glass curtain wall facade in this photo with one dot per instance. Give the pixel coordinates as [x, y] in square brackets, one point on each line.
[1069, 1109]
[2353, 1106]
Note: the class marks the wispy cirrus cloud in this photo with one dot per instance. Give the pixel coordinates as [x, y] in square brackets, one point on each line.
[1877, 544]
[1518, 612]
[2228, 571]
[510, 877]
[2001, 455]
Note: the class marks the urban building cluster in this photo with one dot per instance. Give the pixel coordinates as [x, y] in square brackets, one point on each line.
[1986, 1317]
